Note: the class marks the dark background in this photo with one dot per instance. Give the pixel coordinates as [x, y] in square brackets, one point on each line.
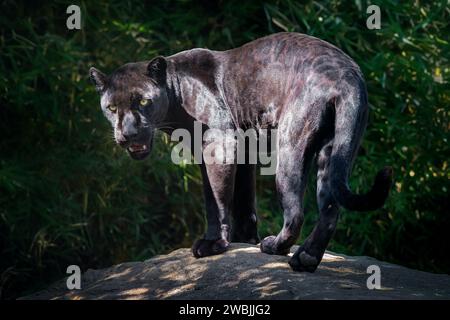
[68, 195]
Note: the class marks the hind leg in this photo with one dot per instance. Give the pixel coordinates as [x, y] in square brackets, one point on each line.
[309, 255]
[244, 205]
[293, 163]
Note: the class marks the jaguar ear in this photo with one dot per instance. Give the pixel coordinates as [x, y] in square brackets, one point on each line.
[98, 78]
[156, 69]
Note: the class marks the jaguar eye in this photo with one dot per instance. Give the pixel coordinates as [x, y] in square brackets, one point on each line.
[112, 108]
[143, 102]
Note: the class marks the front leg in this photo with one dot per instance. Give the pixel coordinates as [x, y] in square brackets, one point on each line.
[218, 187]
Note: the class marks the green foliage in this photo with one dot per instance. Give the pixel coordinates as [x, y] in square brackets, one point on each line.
[68, 195]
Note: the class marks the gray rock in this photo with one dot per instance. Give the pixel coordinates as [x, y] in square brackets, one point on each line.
[243, 272]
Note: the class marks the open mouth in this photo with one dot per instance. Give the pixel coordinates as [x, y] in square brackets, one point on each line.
[139, 151]
[137, 148]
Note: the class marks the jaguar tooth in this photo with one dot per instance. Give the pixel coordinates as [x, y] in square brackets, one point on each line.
[137, 147]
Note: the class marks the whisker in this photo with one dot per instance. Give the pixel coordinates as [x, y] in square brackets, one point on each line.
[166, 127]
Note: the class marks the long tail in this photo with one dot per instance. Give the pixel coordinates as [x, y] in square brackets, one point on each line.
[350, 122]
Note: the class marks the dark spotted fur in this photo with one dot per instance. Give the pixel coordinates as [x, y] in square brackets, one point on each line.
[307, 88]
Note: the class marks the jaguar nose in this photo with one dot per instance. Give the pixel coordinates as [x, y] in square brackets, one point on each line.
[129, 132]
[129, 126]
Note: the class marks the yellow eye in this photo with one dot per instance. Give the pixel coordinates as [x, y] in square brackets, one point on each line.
[143, 102]
[112, 108]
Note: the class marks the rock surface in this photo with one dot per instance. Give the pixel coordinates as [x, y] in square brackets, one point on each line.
[243, 272]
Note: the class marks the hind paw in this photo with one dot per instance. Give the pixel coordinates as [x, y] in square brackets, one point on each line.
[302, 261]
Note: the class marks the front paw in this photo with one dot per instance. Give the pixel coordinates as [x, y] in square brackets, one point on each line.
[269, 245]
[302, 261]
[204, 248]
